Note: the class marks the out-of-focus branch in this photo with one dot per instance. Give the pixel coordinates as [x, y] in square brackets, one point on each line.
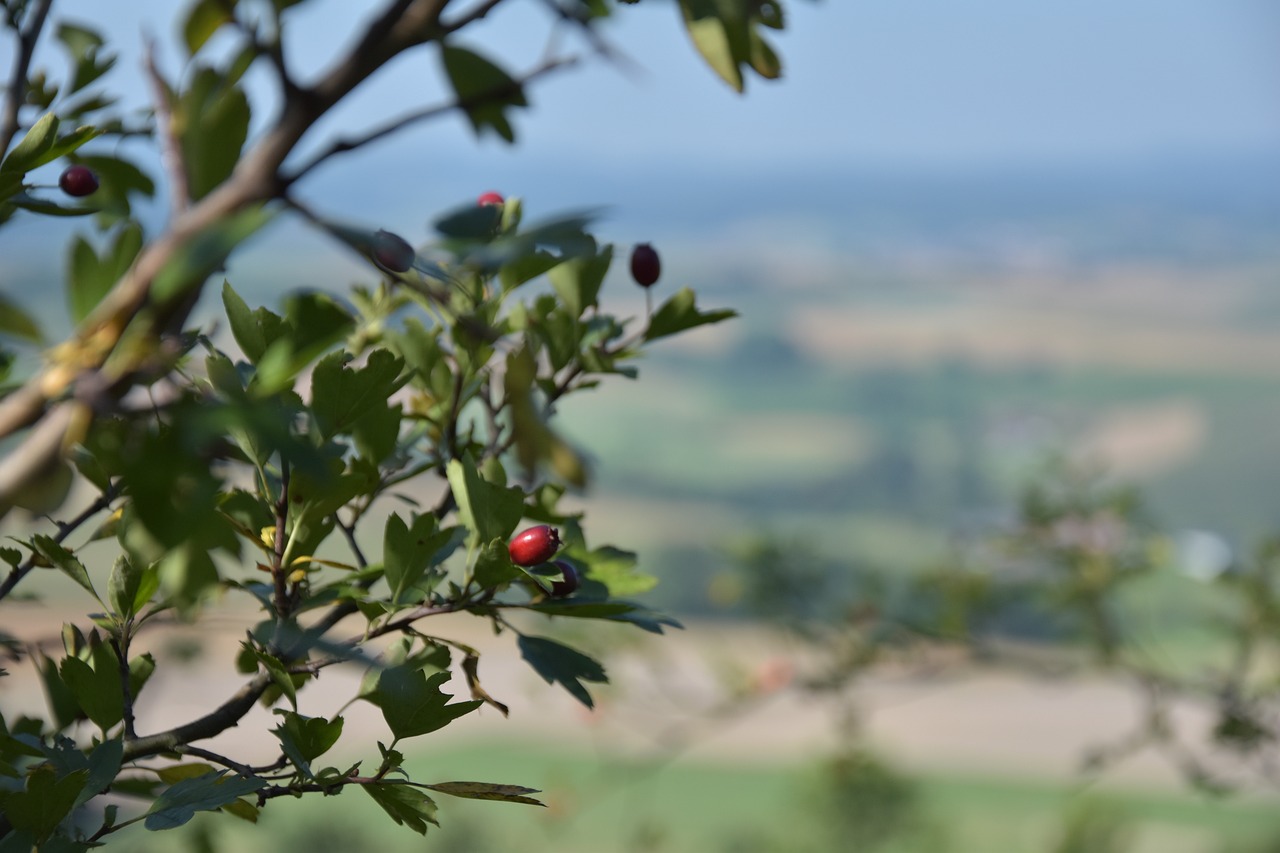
[17, 90]
[171, 157]
[403, 24]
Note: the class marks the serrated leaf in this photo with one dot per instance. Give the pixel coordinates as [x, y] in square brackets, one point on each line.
[493, 566]
[680, 313]
[96, 688]
[341, 396]
[558, 663]
[488, 791]
[484, 91]
[64, 560]
[407, 805]
[489, 511]
[304, 739]
[279, 676]
[178, 803]
[413, 704]
[409, 550]
[45, 802]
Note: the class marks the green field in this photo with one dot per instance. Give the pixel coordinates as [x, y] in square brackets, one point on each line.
[599, 805]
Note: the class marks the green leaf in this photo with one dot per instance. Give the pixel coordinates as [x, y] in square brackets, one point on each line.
[45, 802]
[559, 663]
[487, 791]
[484, 90]
[407, 805]
[578, 280]
[279, 676]
[410, 550]
[613, 611]
[470, 222]
[213, 115]
[62, 702]
[341, 396]
[727, 34]
[494, 567]
[203, 20]
[18, 323]
[36, 142]
[304, 739]
[103, 766]
[96, 688]
[680, 313]
[49, 208]
[413, 704]
[130, 586]
[489, 511]
[83, 44]
[525, 268]
[313, 323]
[90, 277]
[64, 560]
[179, 802]
[245, 328]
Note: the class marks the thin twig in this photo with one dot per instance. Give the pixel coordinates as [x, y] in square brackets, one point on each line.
[279, 572]
[344, 145]
[65, 529]
[122, 655]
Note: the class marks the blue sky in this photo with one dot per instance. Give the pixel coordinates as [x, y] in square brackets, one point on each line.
[904, 87]
[903, 83]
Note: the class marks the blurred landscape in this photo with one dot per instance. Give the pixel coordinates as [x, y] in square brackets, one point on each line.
[912, 350]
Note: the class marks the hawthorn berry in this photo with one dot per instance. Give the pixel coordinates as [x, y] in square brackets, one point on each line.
[534, 546]
[490, 197]
[392, 252]
[78, 181]
[569, 582]
[645, 265]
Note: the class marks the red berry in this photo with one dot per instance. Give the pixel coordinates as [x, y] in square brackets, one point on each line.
[78, 181]
[569, 582]
[490, 197]
[645, 265]
[392, 252]
[534, 546]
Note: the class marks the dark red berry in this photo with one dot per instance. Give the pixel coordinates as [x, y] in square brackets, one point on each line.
[78, 181]
[645, 265]
[490, 197]
[569, 582]
[534, 546]
[392, 252]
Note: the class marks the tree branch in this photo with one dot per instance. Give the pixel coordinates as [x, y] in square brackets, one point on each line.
[256, 179]
[17, 90]
[224, 717]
